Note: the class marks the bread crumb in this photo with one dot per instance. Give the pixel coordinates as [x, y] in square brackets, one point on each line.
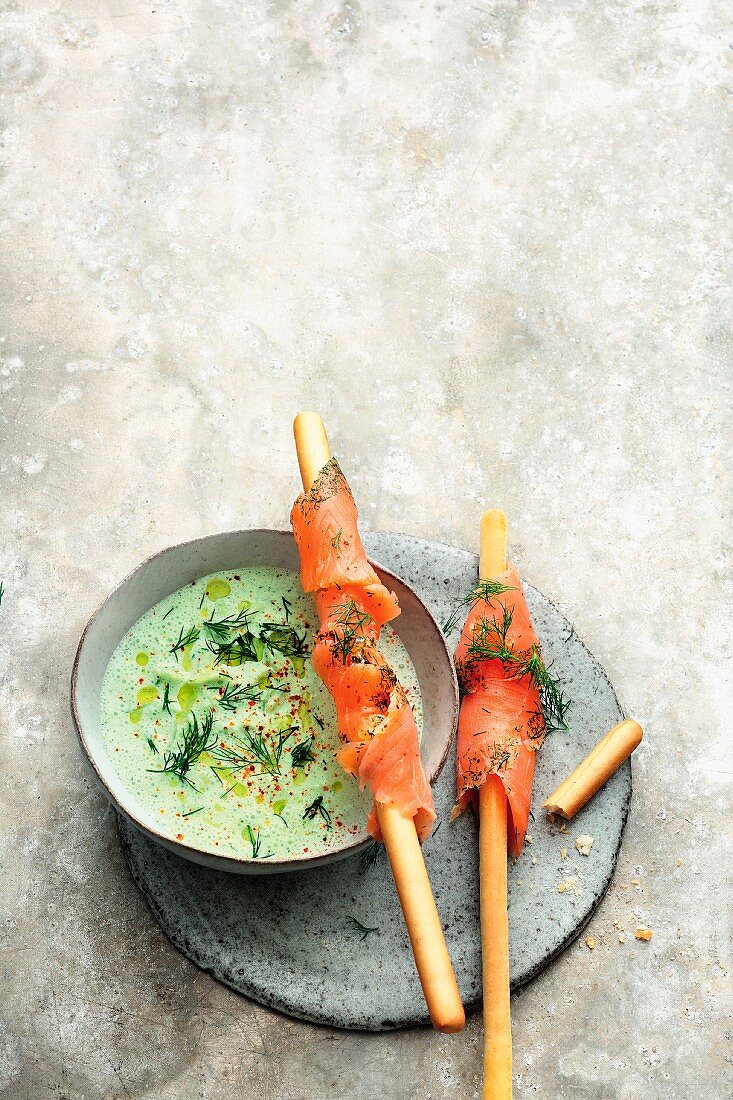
[643, 934]
[590, 942]
[584, 843]
[528, 839]
[621, 938]
[561, 888]
[563, 853]
[635, 882]
[563, 828]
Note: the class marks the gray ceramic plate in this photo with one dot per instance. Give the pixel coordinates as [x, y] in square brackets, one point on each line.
[289, 942]
[179, 565]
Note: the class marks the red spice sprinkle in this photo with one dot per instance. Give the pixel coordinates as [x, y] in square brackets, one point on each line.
[179, 836]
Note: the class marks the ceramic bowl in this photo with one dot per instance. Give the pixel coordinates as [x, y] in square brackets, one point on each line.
[179, 565]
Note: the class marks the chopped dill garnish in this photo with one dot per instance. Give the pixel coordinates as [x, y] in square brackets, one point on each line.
[153, 746]
[253, 748]
[302, 754]
[319, 721]
[286, 608]
[350, 623]
[185, 640]
[2, 591]
[362, 928]
[253, 835]
[190, 813]
[369, 857]
[220, 629]
[197, 739]
[336, 540]
[283, 638]
[486, 590]
[166, 704]
[234, 694]
[235, 652]
[317, 807]
[167, 613]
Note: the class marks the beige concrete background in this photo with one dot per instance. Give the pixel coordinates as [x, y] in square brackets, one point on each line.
[491, 243]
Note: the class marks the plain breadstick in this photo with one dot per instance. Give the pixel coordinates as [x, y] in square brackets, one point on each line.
[493, 875]
[400, 837]
[598, 766]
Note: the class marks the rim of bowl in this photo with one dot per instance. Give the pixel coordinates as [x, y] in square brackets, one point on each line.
[200, 855]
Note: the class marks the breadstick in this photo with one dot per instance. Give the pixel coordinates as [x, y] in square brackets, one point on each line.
[493, 875]
[598, 766]
[432, 960]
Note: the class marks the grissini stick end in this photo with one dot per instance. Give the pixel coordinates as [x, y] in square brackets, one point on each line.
[597, 768]
[311, 443]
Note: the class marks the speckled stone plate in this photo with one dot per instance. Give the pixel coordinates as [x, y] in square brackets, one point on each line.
[290, 942]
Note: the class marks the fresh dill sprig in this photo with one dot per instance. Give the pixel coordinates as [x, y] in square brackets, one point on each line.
[362, 928]
[489, 642]
[369, 857]
[190, 813]
[350, 629]
[302, 754]
[319, 721]
[317, 807]
[234, 694]
[197, 739]
[553, 701]
[336, 540]
[254, 748]
[283, 638]
[167, 613]
[486, 591]
[235, 652]
[253, 835]
[166, 704]
[185, 640]
[220, 629]
[286, 608]
[152, 745]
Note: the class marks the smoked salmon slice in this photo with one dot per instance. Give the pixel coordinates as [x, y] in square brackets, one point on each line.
[510, 700]
[379, 737]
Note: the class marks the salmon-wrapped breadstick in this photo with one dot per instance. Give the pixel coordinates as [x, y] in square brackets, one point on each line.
[380, 743]
[509, 698]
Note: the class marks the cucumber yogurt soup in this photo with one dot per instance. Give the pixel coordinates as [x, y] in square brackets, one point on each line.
[218, 726]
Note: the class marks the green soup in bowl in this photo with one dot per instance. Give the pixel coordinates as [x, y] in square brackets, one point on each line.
[195, 701]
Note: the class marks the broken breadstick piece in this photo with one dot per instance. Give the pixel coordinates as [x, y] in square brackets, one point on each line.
[598, 766]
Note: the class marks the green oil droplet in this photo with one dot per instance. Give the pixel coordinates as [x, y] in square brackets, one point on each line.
[147, 695]
[217, 589]
[136, 715]
[298, 666]
[244, 605]
[187, 694]
[337, 786]
[299, 779]
[279, 805]
[142, 659]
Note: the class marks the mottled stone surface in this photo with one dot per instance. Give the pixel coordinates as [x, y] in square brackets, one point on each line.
[491, 243]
